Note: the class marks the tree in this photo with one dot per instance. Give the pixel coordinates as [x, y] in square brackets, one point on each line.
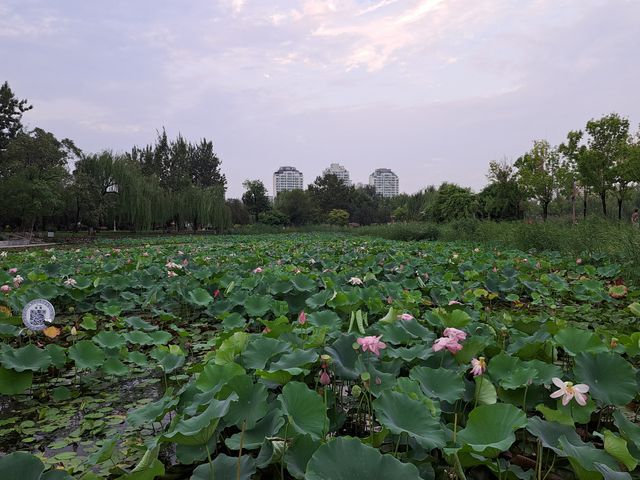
[626, 173]
[239, 213]
[338, 217]
[329, 192]
[33, 176]
[540, 174]
[452, 202]
[502, 198]
[255, 197]
[297, 206]
[607, 141]
[11, 110]
[573, 152]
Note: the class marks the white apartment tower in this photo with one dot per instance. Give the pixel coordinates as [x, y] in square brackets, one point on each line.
[287, 178]
[385, 182]
[339, 171]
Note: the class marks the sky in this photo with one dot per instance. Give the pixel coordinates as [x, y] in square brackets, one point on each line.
[433, 89]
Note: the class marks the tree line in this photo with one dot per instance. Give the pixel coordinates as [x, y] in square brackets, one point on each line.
[50, 183]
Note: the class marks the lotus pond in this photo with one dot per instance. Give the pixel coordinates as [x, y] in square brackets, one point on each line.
[317, 357]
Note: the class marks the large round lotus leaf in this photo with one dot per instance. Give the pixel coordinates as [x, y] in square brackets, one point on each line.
[344, 357]
[349, 459]
[160, 338]
[325, 318]
[440, 383]
[490, 428]
[583, 457]
[510, 372]
[152, 412]
[261, 349]
[251, 405]
[26, 358]
[577, 340]
[268, 426]
[138, 338]
[225, 467]
[319, 299]
[58, 355]
[139, 324]
[401, 413]
[216, 376]
[304, 409]
[86, 355]
[197, 430]
[113, 366]
[298, 455]
[200, 297]
[20, 466]
[294, 362]
[14, 383]
[302, 283]
[611, 379]
[109, 339]
[258, 305]
[549, 433]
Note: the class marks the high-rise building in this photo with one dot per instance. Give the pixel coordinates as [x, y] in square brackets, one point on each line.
[385, 182]
[339, 171]
[287, 178]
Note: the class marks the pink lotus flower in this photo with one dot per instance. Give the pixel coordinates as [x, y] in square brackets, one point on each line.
[145, 254]
[216, 293]
[13, 270]
[478, 366]
[5, 288]
[449, 343]
[17, 281]
[406, 316]
[70, 282]
[173, 266]
[454, 302]
[372, 343]
[257, 270]
[578, 261]
[180, 252]
[355, 281]
[568, 390]
[302, 318]
[171, 273]
[459, 335]
[325, 378]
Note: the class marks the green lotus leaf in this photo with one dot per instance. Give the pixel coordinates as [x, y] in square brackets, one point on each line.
[216, 376]
[349, 459]
[139, 324]
[226, 467]
[261, 349]
[627, 428]
[114, 366]
[616, 446]
[168, 360]
[325, 319]
[294, 361]
[549, 433]
[440, 383]
[304, 409]
[258, 305]
[298, 455]
[20, 466]
[198, 429]
[490, 428]
[231, 348]
[138, 338]
[200, 296]
[485, 393]
[160, 338]
[109, 339]
[319, 299]
[584, 456]
[87, 355]
[251, 405]
[267, 426]
[611, 379]
[403, 414]
[344, 357]
[13, 382]
[233, 321]
[29, 357]
[152, 412]
[511, 372]
[302, 283]
[577, 340]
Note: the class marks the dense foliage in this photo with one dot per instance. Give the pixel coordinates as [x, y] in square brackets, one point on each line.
[318, 357]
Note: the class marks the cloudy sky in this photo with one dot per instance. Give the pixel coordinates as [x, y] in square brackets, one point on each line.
[433, 89]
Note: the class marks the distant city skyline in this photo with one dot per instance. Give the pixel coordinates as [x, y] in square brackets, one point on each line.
[433, 89]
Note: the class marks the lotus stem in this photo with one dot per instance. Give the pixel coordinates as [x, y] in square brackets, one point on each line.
[244, 426]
